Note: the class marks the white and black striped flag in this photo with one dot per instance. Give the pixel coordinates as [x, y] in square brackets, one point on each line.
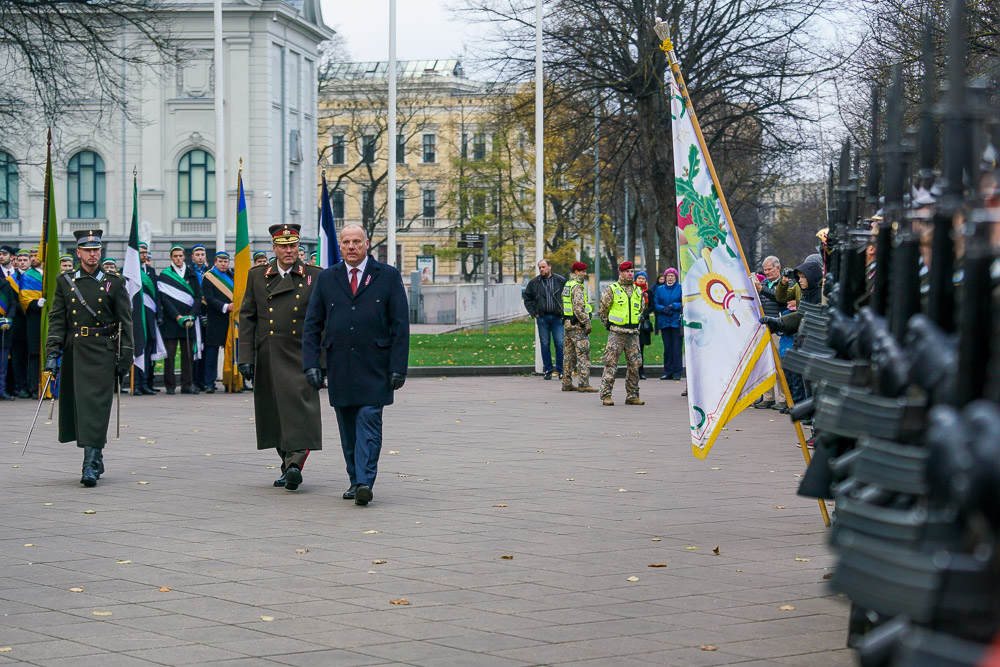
[132, 272]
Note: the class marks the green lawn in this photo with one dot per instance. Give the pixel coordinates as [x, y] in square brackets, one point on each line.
[506, 345]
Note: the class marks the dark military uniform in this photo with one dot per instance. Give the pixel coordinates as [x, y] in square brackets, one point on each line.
[91, 350]
[272, 316]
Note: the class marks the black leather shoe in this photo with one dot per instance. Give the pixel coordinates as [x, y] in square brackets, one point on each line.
[548, 375]
[89, 476]
[22, 394]
[171, 392]
[664, 377]
[155, 390]
[210, 389]
[293, 477]
[363, 494]
[349, 494]
[6, 397]
[641, 376]
[280, 481]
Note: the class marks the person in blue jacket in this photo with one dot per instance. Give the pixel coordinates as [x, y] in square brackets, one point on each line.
[667, 305]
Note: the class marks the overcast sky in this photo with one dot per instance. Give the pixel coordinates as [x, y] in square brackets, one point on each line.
[424, 29]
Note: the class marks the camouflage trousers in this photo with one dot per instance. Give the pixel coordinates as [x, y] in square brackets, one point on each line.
[576, 357]
[616, 343]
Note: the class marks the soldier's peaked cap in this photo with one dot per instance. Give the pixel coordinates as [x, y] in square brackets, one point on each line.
[88, 238]
[285, 233]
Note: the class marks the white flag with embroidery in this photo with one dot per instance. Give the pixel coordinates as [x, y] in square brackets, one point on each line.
[726, 350]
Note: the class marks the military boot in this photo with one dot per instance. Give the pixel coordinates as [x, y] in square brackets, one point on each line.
[99, 462]
[634, 400]
[607, 401]
[89, 477]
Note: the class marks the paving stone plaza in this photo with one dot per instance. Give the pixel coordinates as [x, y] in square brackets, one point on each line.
[518, 522]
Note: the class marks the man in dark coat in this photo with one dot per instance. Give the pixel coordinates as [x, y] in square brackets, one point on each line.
[359, 316]
[272, 317]
[217, 290]
[180, 299]
[90, 326]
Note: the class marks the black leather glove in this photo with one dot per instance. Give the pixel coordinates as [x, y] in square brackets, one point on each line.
[121, 372]
[315, 378]
[246, 370]
[52, 365]
[396, 380]
[775, 324]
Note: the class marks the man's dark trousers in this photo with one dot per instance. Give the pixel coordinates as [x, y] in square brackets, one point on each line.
[361, 440]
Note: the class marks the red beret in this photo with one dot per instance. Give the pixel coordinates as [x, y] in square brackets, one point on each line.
[579, 266]
[625, 266]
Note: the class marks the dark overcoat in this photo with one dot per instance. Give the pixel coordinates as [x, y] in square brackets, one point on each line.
[85, 410]
[366, 336]
[172, 307]
[272, 317]
[214, 299]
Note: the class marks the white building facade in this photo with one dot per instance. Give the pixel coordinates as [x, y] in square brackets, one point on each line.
[269, 75]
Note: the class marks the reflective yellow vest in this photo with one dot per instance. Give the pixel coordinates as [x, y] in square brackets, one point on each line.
[568, 301]
[625, 311]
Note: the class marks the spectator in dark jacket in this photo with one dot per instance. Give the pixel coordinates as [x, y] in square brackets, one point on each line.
[646, 323]
[667, 302]
[774, 397]
[543, 301]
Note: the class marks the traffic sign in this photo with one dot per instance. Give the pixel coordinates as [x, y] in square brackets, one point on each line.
[471, 241]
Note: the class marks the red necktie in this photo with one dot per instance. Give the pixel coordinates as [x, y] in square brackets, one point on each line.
[354, 281]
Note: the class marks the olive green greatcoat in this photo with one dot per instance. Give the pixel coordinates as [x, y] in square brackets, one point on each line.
[85, 411]
[272, 315]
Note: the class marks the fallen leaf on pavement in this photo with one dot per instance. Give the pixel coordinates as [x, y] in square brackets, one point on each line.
[691, 548]
[657, 565]
[828, 575]
[6, 649]
[622, 490]
[633, 578]
[90, 511]
[716, 468]
[47, 504]
[165, 467]
[641, 472]
[142, 482]
[164, 589]
[76, 589]
[267, 618]
[506, 558]
[271, 467]
[101, 613]
[571, 479]
[501, 505]
[370, 532]
[400, 601]
[778, 507]
[786, 607]
[401, 475]
[655, 539]
[124, 562]
[802, 560]
[301, 551]
[142, 437]
[394, 451]
[380, 561]
[29, 544]
[716, 551]
[708, 647]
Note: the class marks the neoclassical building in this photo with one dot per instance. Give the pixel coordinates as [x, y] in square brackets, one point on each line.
[270, 70]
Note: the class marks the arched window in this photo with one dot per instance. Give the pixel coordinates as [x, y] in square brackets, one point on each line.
[85, 186]
[196, 185]
[8, 186]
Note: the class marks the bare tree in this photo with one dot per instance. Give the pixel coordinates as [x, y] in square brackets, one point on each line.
[748, 63]
[66, 56]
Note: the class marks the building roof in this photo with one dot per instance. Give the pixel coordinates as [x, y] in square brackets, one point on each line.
[449, 68]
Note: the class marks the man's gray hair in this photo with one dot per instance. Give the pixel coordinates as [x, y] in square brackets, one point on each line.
[772, 260]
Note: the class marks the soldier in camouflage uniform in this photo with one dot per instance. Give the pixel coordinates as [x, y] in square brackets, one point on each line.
[620, 310]
[576, 318]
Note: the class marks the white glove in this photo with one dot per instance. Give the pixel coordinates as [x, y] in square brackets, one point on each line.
[41, 302]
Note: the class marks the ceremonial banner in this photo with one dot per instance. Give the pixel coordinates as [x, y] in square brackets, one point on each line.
[48, 249]
[726, 350]
[231, 378]
[132, 272]
[329, 251]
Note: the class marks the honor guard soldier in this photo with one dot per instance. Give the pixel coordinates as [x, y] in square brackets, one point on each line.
[217, 293]
[272, 318]
[576, 346]
[620, 311]
[259, 257]
[90, 326]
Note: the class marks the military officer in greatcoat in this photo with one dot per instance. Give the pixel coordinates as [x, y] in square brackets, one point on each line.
[272, 317]
[90, 327]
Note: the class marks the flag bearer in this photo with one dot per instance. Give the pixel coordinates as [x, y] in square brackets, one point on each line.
[620, 310]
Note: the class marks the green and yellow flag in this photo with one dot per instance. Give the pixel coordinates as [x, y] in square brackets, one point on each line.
[48, 249]
[231, 378]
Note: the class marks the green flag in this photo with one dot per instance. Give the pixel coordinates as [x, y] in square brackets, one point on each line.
[48, 249]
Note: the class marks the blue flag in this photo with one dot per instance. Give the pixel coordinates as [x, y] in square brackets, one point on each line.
[329, 250]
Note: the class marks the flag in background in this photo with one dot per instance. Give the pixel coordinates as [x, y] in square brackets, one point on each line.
[132, 272]
[726, 350]
[329, 250]
[48, 249]
[231, 378]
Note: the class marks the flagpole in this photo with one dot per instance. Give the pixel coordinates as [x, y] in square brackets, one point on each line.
[390, 201]
[220, 134]
[667, 46]
[540, 164]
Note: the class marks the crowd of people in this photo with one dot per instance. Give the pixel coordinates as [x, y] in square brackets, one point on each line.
[631, 309]
[187, 304]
